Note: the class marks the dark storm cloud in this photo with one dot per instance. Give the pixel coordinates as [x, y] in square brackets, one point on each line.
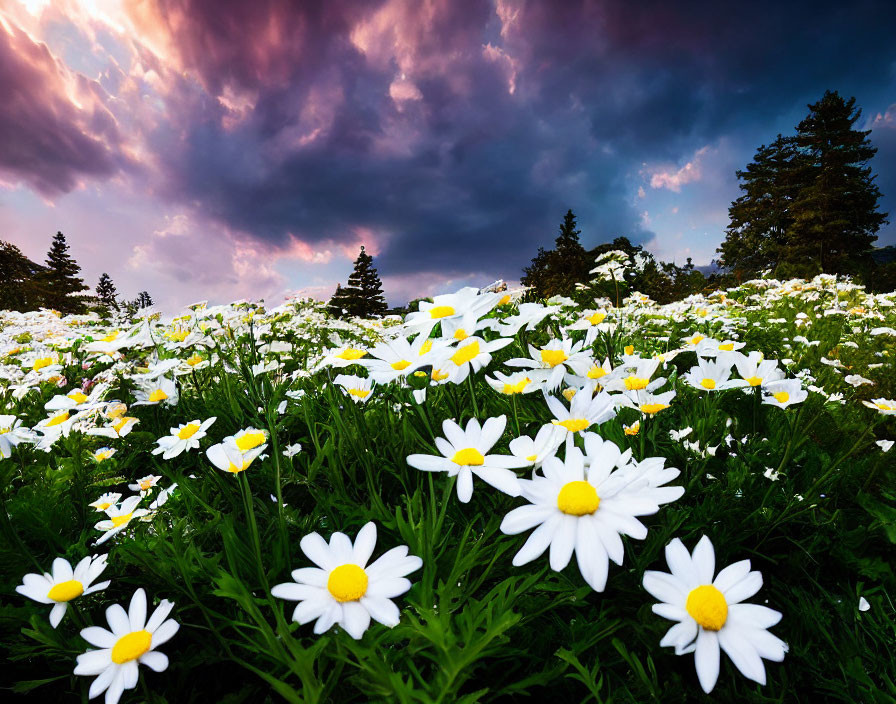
[54, 127]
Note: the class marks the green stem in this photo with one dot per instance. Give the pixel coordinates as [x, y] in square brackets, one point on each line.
[473, 396]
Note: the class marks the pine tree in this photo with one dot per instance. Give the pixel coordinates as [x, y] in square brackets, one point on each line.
[19, 290]
[556, 272]
[760, 220]
[106, 293]
[144, 300]
[60, 279]
[835, 216]
[363, 296]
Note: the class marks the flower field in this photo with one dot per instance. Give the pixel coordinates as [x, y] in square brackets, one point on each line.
[491, 500]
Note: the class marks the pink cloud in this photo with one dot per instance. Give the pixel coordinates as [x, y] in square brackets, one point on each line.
[673, 179]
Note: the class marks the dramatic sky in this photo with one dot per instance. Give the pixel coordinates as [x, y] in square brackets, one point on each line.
[227, 149]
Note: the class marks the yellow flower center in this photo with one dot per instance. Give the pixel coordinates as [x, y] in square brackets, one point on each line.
[66, 591]
[697, 338]
[58, 418]
[531, 458]
[573, 425]
[131, 646]
[569, 393]
[629, 349]
[632, 429]
[460, 334]
[249, 440]
[885, 406]
[111, 336]
[118, 425]
[651, 408]
[145, 484]
[782, 397]
[188, 431]
[467, 457]
[596, 372]
[116, 410]
[178, 336]
[359, 393]
[708, 383]
[553, 357]
[118, 521]
[77, 397]
[425, 347]
[518, 387]
[578, 498]
[727, 347]
[707, 606]
[439, 375]
[194, 359]
[437, 312]
[347, 583]
[597, 318]
[102, 506]
[400, 365]
[636, 383]
[156, 396]
[42, 362]
[505, 299]
[351, 353]
[754, 380]
[466, 353]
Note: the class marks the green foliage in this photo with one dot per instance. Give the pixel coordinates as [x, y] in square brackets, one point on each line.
[20, 290]
[363, 296]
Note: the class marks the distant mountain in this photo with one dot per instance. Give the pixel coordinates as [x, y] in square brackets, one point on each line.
[884, 255]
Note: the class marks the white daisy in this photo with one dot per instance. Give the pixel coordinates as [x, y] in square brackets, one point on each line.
[105, 501]
[156, 391]
[144, 484]
[535, 451]
[471, 355]
[709, 375]
[185, 436]
[64, 584]
[554, 362]
[132, 641]
[120, 518]
[784, 393]
[357, 388]
[465, 454]
[710, 614]
[227, 456]
[342, 588]
[11, 434]
[585, 510]
[511, 384]
[756, 370]
[584, 410]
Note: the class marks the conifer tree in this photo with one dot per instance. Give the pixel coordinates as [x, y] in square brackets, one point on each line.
[144, 300]
[363, 296]
[60, 279]
[19, 290]
[106, 293]
[556, 272]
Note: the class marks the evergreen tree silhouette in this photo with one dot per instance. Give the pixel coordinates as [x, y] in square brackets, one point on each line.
[60, 279]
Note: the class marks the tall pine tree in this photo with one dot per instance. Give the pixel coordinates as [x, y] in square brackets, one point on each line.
[60, 279]
[835, 216]
[556, 271]
[19, 289]
[363, 296]
[106, 293]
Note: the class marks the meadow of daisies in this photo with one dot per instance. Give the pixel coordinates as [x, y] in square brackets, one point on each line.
[490, 500]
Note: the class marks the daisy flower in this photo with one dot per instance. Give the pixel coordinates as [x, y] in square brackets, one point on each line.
[528, 316]
[466, 302]
[634, 375]
[227, 456]
[554, 362]
[103, 454]
[784, 393]
[343, 588]
[156, 391]
[473, 354]
[76, 399]
[585, 410]
[397, 358]
[105, 501]
[248, 439]
[343, 356]
[511, 384]
[884, 406]
[145, 484]
[649, 404]
[536, 450]
[710, 614]
[756, 370]
[120, 518]
[710, 375]
[11, 434]
[708, 347]
[64, 584]
[358, 388]
[464, 453]
[184, 437]
[131, 641]
[582, 510]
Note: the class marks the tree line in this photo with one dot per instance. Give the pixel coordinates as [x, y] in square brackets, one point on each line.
[809, 206]
[57, 284]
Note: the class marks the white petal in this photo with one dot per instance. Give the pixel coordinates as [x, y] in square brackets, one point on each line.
[744, 589]
[155, 661]
[317, 550]
[296, 592]
[331, 615]
[389, 587]
[753, 615]
[706, 659]
[99, 637]
[118, 620]
[680, 636]
[165, 632]
[665, 587]
[673, 612]
[101, 683]
[538, 542]
[93, 662]
[767, 645]
[524, 518]
[159, 615]
[679, 561]
[314, 576]
[381, 609]
[310, 609]
[464, 485]
[137, 612]
[563, 543]
[116, 687]
[365, 542]
[62, 570]
[591, 555]
[57, 612]
[742, 654]
[731, 575]
[502, 479]
[355, 619]
[704, 560]
[130, 674]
